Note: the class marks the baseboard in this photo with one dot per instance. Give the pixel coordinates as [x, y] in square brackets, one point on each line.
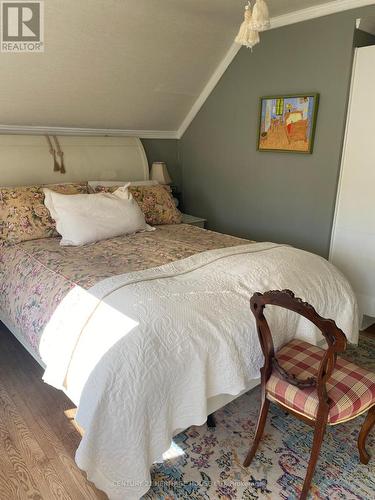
[367, 321]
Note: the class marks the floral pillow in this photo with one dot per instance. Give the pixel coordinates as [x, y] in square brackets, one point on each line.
[156, 203]
[23, 215]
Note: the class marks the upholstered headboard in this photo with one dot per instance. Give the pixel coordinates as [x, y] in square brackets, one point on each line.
[25, 159]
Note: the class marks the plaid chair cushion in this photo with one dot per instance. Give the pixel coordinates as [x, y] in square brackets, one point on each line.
[351, 389]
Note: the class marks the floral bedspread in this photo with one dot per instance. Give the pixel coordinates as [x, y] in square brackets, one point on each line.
[35, 276]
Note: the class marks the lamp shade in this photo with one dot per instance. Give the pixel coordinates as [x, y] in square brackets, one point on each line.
[159, 172]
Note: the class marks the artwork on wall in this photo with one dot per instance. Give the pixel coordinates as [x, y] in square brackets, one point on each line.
[287, 123]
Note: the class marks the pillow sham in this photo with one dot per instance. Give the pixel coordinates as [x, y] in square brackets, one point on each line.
[87, 218]
[156, 203]
[23, 215]
[97, 186]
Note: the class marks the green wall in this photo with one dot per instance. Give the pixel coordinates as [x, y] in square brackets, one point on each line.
[280, 197]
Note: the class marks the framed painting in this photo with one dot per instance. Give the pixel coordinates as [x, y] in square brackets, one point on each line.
[287, 123]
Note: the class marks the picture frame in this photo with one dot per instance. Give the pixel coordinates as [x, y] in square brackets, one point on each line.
[287, 123]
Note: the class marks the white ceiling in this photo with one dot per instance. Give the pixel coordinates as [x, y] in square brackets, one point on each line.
[127, 64]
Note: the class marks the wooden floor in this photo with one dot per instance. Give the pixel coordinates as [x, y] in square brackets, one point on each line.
[37, 438]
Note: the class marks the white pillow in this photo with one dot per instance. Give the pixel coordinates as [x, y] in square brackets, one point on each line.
[86, 218]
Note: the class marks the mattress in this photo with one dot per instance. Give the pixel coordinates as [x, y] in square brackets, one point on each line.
[35, 276]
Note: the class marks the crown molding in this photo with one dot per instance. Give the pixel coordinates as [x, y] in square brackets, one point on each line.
[320, 10]
[210, 85]
[36, 130]
[276, 22]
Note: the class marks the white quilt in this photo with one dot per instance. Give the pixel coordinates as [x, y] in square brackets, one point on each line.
[141, 353]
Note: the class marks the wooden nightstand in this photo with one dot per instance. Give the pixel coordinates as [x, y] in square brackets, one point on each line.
[193, 221]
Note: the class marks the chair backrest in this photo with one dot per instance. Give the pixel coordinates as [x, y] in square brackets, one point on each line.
[335, 337]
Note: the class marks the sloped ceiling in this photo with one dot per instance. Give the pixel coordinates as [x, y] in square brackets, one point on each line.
[126, 64]
[367, 24]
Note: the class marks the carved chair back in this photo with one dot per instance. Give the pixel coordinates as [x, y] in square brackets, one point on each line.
[334, 337]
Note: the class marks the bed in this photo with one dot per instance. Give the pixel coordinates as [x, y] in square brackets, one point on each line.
[148, 333]
[36, 275]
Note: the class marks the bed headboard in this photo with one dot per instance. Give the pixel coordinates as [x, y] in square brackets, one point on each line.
[25, 159]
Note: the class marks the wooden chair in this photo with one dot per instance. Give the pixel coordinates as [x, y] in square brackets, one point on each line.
[311, 383]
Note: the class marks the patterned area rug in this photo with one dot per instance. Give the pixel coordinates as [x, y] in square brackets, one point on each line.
[207, 464]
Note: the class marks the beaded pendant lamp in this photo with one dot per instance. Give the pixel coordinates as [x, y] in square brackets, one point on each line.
[255, 20]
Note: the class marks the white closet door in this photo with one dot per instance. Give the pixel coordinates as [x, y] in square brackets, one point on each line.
[353, 237]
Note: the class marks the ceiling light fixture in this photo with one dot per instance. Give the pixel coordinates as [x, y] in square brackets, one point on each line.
[255, 20]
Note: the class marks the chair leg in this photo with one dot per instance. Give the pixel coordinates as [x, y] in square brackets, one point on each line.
[259, 432]
[367, 425]
[317, 443]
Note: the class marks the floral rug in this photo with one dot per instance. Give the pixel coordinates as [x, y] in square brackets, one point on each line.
[207, 464]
